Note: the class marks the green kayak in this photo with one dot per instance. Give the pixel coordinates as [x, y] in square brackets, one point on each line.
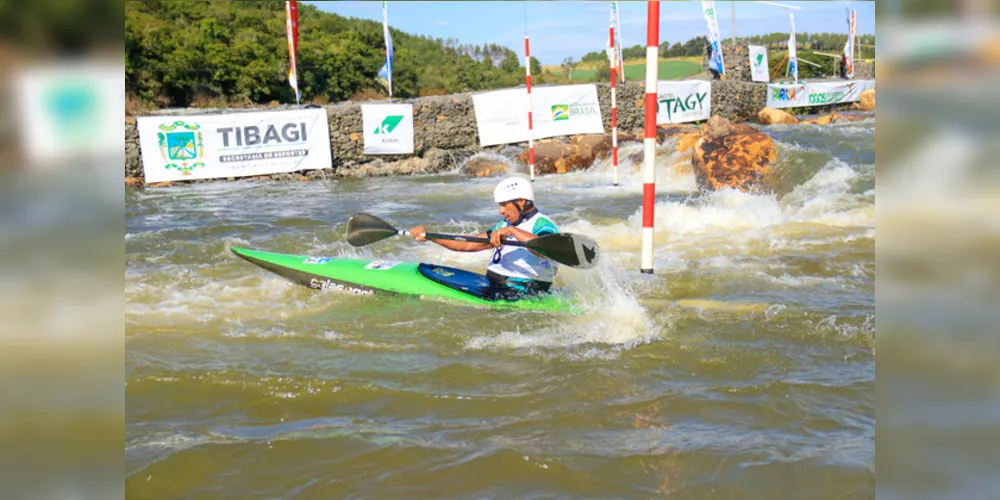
[367, 277]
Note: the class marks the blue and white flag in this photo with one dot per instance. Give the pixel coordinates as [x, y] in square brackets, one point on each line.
[385, 74]
[715, 61]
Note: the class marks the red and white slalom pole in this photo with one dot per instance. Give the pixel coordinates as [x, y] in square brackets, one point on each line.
[649, 172]
[531, 134]
[614, 103]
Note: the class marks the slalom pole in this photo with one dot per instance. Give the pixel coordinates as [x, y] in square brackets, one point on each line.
[614, 101]
[527, 79]
[649, 173]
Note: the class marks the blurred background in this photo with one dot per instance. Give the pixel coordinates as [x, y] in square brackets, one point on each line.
[61, 248]
[938, 72]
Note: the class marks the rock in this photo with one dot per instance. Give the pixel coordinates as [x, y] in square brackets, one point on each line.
[740, 161]
[867, 102]
[134, 182]
[412, 165]
[485, 165]
[684, 134]
[440, 160]
[717, 126]
[555, 157]
[316, 174]
[160, 184]
[823, 120]
[599, 144]
[772, 116]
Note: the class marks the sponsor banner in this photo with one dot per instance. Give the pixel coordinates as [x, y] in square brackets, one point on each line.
[502, 115]
[388, 128]
[796, 95]
[186, 147]
[758, 64]
[683, 101]
[68, 113]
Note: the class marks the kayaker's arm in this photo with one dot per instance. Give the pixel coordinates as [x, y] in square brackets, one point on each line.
[458, 246]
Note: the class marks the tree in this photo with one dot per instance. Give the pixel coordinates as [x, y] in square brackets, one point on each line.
[568, 65]
[536, 67]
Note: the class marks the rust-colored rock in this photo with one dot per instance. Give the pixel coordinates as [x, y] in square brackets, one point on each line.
[553, 156]
[823, 120]
[482, 166]
[135, 182]
[442, 118]
[740, 161]
[685, 134]
[717, 126]
[599, 144]
[867, 102]
[772, 116]
[355, 137]
[160, 184]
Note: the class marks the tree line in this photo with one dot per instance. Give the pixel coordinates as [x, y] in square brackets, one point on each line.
[179, 52]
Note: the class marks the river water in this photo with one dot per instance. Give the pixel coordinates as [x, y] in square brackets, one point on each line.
[744, 367]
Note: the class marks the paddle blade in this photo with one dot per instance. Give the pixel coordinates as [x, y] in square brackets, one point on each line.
[364, 229]
[573, 250]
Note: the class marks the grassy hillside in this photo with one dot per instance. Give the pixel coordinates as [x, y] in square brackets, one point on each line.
[670, 69]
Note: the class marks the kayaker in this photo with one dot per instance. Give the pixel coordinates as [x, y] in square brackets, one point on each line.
[514, 271]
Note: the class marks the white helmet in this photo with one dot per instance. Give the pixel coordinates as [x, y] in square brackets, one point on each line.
[513, 188]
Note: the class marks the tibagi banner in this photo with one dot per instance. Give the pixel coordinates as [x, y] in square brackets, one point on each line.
[502, 115]
[683, 101]
[795, 95]
[758, 64]
[388, 128]
[186, 147]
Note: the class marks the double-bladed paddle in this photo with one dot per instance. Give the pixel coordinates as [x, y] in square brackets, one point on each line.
[572, 250]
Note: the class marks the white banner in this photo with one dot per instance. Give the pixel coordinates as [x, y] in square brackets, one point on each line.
[69, 112]
[849, 46]
[758, 64]
[502, 115]
[388, 128]
[793, 60]
[683, 101]
[186, 147]
[789, 95]
[715, 60]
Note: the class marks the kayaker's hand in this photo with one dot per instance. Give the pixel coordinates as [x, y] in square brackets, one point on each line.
[497, 236]
[419, 233]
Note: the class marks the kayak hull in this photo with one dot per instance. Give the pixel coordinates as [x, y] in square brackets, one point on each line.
[369, 277]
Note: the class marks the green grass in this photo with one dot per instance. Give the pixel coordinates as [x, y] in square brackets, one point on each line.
[636, 70]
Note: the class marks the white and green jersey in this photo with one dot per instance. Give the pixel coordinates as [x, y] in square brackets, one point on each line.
[518, 262]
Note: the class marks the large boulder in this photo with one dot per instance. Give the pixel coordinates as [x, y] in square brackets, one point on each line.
[867, 102]
[559, 156]
[733, 155]
[485, 166]
[772, 116]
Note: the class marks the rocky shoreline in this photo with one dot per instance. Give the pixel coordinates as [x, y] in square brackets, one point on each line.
[446, 136]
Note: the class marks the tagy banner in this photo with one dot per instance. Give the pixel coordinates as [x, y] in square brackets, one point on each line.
[683, 101]
[502, 115]
[791, 95]
[388, 128]
[187, 147]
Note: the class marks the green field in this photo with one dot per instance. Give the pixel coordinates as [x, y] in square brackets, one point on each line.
[636, 70]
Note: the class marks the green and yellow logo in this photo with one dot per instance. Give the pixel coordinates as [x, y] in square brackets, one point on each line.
[180, 145]
[388, 124]
[560, 112]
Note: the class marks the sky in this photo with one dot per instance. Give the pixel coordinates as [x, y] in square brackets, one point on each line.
[559, 29]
